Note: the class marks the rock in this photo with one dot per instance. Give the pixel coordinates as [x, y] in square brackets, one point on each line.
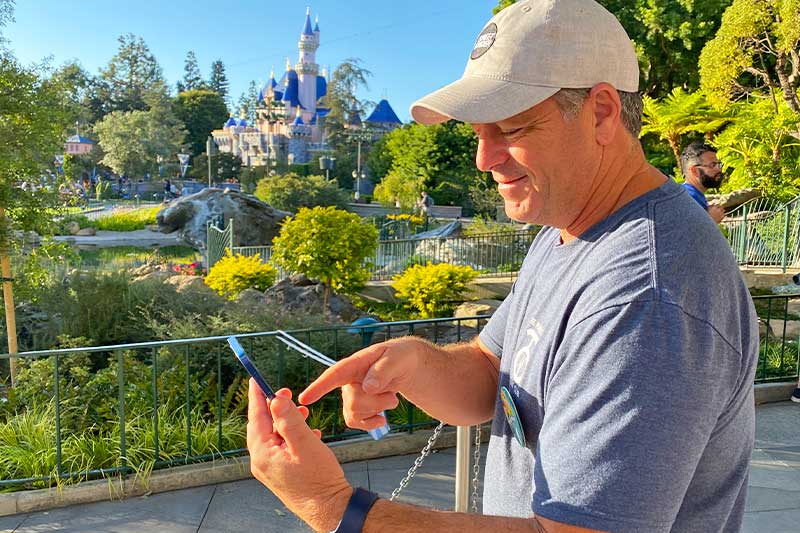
[255, 222]
[86, 232]
[191, 284]
[478, 307]
[73, 227]
[733, 199]
[154, 276]
[152, 227]
[298, 295]
[250, 298]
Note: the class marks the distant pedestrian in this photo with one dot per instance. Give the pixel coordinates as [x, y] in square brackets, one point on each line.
[702, 171]
[424, 203]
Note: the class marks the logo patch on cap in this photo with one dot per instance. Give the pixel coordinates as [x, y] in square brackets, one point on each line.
[485, 41]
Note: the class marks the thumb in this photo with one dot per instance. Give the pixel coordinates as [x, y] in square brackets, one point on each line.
[290, 423]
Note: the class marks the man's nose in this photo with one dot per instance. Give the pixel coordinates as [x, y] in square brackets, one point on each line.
[491, 154]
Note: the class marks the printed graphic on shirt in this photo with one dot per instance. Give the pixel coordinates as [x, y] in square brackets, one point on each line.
[534, 333]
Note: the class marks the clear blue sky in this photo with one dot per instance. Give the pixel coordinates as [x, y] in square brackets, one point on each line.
[411, 46]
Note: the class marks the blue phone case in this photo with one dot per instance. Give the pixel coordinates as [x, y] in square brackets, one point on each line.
[250, 367]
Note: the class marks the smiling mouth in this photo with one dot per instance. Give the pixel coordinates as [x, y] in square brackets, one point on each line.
[511, 181]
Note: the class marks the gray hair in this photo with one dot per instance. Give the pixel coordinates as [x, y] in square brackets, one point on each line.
[570, 101]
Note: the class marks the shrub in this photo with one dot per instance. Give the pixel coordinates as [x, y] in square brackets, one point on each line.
[327, 244]
[291, 192]
[234, 273]
[431, 288]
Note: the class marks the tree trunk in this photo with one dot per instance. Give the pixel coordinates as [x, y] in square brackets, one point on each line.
[673, 143]
[8, 301]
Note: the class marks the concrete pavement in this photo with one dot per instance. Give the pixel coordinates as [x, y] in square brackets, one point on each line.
[773, 502]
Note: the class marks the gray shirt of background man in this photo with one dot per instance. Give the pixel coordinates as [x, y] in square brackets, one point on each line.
[630, 353]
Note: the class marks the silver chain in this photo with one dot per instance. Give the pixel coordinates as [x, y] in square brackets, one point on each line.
[476, 468]
[418, 462]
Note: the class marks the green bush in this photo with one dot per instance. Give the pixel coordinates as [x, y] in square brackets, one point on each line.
[291, 192]
[431, 289]
[328, 244]
[234, 273]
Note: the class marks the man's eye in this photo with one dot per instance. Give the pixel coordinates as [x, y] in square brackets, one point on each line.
[511, 133]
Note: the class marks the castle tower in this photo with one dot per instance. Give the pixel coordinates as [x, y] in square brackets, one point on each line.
[307, 68]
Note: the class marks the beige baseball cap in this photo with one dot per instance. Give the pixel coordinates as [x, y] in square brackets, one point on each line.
[529, 51]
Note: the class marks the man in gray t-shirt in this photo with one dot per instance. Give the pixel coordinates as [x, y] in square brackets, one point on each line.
[617, 374]
[633, 381]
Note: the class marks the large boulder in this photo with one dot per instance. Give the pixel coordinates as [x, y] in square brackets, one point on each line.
[255, 222]
[733, 199]
[298, 295]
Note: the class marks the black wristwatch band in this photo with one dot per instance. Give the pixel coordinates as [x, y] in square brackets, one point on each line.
[355, 514]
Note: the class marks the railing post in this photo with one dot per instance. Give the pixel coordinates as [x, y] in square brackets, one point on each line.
[123, 452]
[57, 391]
[785, 238]
[463, 449]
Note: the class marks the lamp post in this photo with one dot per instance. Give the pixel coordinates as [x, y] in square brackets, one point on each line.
[358, 176]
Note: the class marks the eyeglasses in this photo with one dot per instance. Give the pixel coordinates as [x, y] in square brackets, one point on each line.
[715, 166]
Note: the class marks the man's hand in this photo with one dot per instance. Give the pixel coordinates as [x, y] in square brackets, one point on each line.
[291, 461]
[370, 380]
[716, 212]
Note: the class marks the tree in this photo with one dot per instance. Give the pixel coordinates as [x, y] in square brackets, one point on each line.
[79, 93]
[132, 141]
[678, 114]
[218, 81]
[345, 81]
[32, 119]
[758, 149]
[133, 80]
[328, 244]
[290, 192]
[437, 158]
[248, 101]
[756, 52]
[201, 111]
[224, 166]
[192, 79]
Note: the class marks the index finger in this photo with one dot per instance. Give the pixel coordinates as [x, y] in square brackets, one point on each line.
[347, 371]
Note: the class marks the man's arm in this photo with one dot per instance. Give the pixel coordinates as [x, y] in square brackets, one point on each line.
[456, 384]
[291, 461]
[387, 516]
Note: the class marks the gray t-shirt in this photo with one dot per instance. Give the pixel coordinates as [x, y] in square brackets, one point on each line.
[630, 355]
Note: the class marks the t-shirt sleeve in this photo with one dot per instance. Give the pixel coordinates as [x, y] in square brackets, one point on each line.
[630, 403]
[494, 332]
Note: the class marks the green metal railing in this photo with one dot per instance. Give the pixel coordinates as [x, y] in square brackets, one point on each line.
[492, 254]
[273, 358]
[779, 325]
[765, 233]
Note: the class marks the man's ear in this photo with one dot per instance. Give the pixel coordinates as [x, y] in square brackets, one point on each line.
[607, 110]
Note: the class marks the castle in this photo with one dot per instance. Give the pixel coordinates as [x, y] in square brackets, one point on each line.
[290, 115]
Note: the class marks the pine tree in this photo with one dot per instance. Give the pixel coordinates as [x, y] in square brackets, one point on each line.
[248, 102]
[219, 81]
[191, 73]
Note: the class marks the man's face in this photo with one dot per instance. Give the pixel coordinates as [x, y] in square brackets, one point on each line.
[709, 171]
[543, 165]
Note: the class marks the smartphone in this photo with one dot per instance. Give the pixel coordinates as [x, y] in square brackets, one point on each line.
[241, 355]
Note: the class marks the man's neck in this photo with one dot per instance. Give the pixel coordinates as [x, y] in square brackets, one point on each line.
[694, 182]
[622, 176]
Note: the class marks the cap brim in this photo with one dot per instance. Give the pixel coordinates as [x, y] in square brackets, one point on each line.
[478, 101]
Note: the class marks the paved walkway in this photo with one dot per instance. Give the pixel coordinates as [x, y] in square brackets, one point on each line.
[773, 504]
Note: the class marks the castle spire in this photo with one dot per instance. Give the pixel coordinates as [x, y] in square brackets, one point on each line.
[307, 28]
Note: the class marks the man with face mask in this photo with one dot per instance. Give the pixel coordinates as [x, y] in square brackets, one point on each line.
[702, 171]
